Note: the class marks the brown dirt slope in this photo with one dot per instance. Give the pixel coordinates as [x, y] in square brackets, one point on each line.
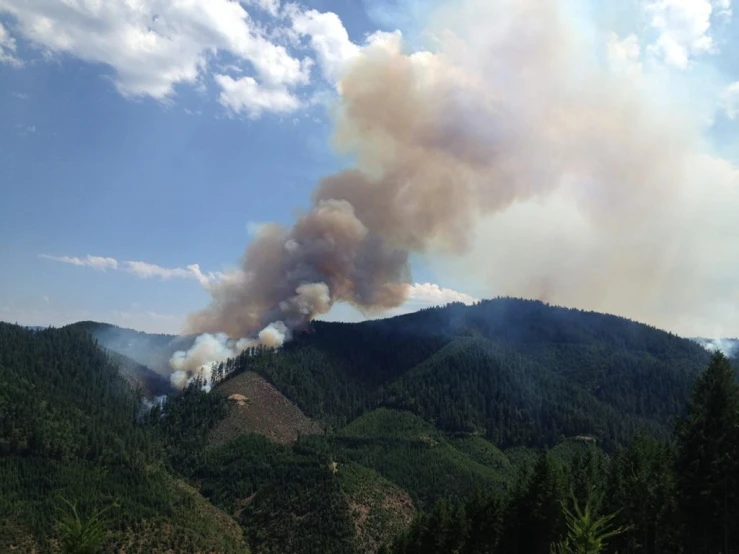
[258, 407]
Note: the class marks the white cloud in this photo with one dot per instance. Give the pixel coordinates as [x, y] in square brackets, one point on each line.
[8, 48]
[430, 294]
[206, 280]
[146, 270]
[420, 296]
[730, 100]
[246, 96]
[96, 262]
[683, 28]
[723, 8]
[143, 270]
[328, 38]
[154, 45]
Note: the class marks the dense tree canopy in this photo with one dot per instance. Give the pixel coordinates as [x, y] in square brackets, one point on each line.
[506, 427]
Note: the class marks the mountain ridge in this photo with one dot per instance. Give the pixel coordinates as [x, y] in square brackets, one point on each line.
[598, 365]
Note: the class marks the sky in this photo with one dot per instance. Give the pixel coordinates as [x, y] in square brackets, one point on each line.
[143, 143]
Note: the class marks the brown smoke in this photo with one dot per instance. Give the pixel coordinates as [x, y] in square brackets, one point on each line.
[510, 111]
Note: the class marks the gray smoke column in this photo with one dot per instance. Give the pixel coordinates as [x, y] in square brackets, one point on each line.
[436, 145]
[512, 109]
[292, 275]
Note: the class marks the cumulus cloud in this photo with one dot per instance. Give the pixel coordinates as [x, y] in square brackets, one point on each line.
[420, 296]
[683, 28]
[247, 96]
[328, 38]
[153, 46]
[430, 294]
[8, 48]
[143, 270]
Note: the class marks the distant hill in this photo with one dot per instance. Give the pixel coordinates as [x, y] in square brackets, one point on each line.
[147, 349]
[140, 377]
[517, 371]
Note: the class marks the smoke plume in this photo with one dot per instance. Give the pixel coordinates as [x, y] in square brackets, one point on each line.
[207, 350]
[585, 182]
[728, 347]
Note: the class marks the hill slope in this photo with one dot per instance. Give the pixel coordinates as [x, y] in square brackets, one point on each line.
[438, 404]
[521, 372]
[147, 349]
[67, 430]
[258, 407]
[540, 372]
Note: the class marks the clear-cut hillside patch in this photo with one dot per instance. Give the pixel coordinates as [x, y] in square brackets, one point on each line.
[256, 406]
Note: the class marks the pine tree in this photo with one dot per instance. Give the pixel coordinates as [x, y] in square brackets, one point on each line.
[707, 463]
[535, 519]
[586, 532]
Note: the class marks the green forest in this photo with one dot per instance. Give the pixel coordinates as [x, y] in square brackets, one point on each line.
[509, 426]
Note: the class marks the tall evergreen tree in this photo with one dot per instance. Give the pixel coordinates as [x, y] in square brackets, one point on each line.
[536, 517]
[707, 462]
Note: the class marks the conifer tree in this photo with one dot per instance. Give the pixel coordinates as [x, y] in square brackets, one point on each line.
[707, 462]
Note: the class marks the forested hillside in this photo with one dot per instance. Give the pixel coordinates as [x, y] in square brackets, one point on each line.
[69, 437]
[457, 429]
[518, 372]
[652, 497]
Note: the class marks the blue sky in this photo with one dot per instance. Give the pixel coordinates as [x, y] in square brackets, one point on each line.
[171, 181]
[170, 153]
